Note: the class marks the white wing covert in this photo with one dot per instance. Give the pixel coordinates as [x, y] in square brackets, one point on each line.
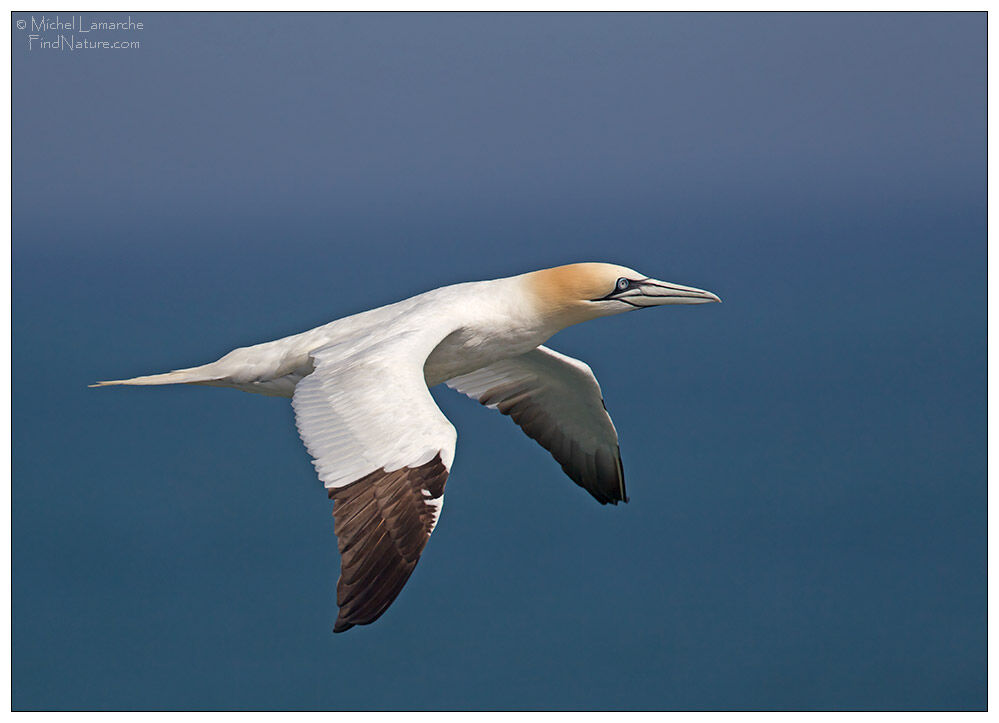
[383, 449]
[556, 400]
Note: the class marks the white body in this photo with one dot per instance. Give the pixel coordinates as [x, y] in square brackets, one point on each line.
[491, 320]
[360, 391]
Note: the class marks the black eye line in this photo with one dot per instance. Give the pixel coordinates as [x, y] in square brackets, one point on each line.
[612, 296]
[617, 290]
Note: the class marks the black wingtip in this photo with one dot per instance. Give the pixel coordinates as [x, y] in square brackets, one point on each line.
[622, 492]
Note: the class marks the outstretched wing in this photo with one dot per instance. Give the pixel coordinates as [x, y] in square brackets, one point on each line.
[383, 449]
[556, 400]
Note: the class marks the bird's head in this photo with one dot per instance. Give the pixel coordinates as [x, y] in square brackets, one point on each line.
[580, 292]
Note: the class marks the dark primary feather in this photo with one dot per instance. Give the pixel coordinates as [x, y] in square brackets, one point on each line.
[597, 471]
[382, 524]
[556, 400]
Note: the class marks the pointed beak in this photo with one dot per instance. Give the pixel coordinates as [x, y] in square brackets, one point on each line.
[657, 293]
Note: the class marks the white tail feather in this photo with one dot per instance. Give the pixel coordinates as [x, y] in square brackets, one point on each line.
[180, 376]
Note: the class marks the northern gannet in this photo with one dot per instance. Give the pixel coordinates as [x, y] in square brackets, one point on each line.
[360, 388]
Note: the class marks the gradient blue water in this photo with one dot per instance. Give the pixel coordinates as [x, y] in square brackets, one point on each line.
[806, 461]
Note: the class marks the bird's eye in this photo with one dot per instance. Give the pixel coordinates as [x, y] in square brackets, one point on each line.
[623, 284]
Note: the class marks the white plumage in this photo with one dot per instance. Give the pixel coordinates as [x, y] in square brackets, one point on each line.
[381, 446]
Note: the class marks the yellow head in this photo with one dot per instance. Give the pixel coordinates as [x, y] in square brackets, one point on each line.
[580, 292]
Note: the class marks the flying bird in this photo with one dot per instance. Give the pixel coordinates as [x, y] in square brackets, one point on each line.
[360, 388]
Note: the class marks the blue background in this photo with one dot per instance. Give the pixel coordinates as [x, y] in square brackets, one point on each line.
[806, 461]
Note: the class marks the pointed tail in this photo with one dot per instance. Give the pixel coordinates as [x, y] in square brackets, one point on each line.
[180, 376]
